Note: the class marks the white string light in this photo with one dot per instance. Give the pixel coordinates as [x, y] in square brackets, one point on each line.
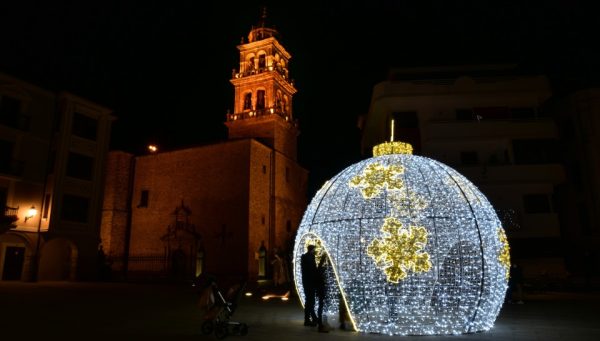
[415, 247]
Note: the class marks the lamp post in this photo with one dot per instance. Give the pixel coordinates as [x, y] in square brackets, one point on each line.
[36, 256]
[45, 200]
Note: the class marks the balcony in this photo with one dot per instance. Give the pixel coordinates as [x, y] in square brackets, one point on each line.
[8, 219]
[546, 173]
[486, 129]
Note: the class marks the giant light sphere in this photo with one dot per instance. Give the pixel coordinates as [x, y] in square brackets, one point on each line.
[414, 247]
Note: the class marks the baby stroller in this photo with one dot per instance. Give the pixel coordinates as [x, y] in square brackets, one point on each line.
[218, 309]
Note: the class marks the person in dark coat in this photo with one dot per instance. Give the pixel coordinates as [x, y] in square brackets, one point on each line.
[515, 284]
[321, 290]
[308, 266]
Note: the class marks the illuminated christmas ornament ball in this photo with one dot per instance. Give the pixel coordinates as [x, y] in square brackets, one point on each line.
[414, 248]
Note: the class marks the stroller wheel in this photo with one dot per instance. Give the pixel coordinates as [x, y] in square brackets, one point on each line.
[207, 327]
[221, 331]
[243, 329]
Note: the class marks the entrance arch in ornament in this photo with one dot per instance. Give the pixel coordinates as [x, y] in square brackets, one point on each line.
[58, 260]
[336, 303]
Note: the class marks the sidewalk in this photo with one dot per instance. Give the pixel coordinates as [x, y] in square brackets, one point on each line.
[122, 311]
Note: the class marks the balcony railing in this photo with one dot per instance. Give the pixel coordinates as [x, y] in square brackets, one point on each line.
[261, 112]
[282, 71]
[8, 219]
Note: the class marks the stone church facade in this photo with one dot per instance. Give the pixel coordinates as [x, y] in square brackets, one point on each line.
[224, 208]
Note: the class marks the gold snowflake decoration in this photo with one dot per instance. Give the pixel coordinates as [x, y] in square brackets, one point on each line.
[376, 177]
[400, 250]
[504, 256]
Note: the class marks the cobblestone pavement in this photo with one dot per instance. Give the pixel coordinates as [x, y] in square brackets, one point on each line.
[128, 311]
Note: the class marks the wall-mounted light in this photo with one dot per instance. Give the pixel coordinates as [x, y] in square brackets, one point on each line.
[152, 148]
[31, 212]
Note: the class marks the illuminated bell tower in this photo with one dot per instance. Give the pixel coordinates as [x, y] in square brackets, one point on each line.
[263, 92]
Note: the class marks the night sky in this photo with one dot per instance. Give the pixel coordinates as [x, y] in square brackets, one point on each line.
[164, 66]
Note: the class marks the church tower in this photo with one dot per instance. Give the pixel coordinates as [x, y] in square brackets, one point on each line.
[263, 92]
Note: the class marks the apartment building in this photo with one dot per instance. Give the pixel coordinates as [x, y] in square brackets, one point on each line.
[489, 123]
[53, 148]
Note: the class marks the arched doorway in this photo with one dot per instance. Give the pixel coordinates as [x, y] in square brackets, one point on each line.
[179, 264]
[58, 261]
[15, 257]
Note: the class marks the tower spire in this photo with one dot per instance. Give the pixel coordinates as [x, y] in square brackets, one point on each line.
[263, 18]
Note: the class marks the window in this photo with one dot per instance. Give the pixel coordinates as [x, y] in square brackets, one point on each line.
[464, 114]
[144, 198]
[3, 196]
[84, 126]
[75, 208]
[469, 158]
[522, 113]
[405, 129]
[46, 206]
[584, 219]
[10, 110]
[260, 99]
[262, 219]
[264, 169]
[407, 119]
[80, 166]
[492, 113]
[536, 203]
[248, 101]
[534, 151]
[262, 62]
[6, 150]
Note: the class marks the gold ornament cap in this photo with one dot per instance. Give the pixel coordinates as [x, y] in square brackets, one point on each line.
[388, 148]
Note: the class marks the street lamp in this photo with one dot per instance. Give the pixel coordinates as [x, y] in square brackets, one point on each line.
[31, 212]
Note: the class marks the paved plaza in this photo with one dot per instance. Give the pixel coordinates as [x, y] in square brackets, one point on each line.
[130, 311]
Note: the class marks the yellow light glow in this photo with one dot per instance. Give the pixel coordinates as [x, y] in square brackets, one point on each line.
[31, 212]
[283, 297]
[388, 148]
[504, 256]
[152, 148]
[248, 294]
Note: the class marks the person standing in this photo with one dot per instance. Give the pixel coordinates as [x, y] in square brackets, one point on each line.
[515, 284]
[308, 266]
[321, 290]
